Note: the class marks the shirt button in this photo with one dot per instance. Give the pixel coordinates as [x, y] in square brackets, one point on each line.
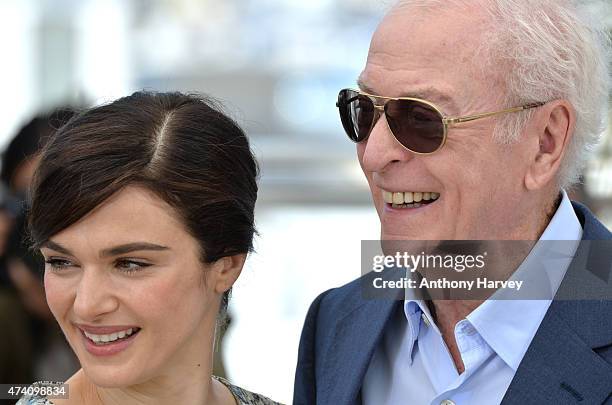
[426, 320]
[447, 402]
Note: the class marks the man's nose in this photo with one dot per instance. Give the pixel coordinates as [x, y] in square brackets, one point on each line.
[94, 296]
[382, 149]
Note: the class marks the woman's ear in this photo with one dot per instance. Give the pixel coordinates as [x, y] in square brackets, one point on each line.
[226, 271]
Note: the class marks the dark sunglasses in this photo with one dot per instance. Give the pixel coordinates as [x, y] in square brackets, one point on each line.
[418, 125]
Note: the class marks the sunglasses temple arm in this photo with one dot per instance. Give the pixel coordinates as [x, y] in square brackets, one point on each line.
[467, 118]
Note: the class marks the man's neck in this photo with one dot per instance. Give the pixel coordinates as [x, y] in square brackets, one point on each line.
[447, 313]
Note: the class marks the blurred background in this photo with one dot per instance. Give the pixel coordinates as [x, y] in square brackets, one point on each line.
[277, 66]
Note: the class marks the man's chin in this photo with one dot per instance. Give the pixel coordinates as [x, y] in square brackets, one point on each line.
[409, 234]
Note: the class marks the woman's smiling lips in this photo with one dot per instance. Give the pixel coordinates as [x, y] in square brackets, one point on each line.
[107, 340]
[104, 330]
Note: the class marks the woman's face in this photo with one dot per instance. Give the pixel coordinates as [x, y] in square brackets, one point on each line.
[129, 273]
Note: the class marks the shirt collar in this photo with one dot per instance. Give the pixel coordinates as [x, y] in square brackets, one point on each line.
[416, 310]
[564, 225]
[508, 326]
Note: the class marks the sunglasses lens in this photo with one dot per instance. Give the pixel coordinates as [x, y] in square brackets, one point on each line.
[416, 125]
[357, 114]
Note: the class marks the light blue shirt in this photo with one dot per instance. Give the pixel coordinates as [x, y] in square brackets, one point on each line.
[413, 365]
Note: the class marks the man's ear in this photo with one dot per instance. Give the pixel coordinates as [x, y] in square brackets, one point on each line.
[554, 127]
[227, 270]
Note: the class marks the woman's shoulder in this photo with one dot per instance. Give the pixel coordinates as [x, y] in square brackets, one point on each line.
[39, 392]
[244, 397]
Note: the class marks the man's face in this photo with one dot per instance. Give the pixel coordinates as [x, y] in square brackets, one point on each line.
[480, 182]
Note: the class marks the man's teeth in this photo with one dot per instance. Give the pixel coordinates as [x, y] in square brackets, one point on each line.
[409, 197]
[110, 338]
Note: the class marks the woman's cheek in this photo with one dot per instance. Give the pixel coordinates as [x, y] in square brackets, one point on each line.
[58, 293]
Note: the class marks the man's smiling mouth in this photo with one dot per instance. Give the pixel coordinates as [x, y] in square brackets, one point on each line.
[409, 199]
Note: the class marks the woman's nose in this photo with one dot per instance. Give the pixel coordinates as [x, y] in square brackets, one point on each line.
[94, 295]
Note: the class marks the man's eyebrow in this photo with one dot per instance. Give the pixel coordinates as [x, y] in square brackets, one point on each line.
[427, 93]
[113, 251]
[364, 87]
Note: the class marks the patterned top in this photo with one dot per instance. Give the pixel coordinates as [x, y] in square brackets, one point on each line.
[38, 399]
[243, 397]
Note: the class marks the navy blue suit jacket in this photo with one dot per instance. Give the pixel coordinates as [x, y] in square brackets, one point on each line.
[569, 360]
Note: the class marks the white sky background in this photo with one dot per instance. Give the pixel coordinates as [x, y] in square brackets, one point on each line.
[98, 50]
[302, 251]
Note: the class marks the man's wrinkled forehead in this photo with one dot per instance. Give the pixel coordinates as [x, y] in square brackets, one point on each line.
[425, 43]
[440, 28]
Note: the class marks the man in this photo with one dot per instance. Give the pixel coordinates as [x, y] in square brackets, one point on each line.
[440, 167]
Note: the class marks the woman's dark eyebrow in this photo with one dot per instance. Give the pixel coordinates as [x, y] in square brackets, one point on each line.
[57, 247]
[114, 251]
[132, 247]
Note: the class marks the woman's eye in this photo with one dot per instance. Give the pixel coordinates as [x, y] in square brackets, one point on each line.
[58, 264]
[130, 266]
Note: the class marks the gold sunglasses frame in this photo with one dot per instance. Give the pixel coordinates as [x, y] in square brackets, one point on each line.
[447, 121]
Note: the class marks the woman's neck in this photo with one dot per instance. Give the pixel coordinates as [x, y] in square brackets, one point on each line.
[186, 378]
[193, 385]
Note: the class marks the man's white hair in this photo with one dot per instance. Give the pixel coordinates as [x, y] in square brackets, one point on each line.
[549, 50]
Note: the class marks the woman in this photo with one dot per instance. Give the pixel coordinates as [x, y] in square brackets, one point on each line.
[143, 211]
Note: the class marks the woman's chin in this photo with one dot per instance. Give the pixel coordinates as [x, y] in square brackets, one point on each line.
[112, 376]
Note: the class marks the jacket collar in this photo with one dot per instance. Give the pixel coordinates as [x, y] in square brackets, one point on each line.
[547, 373]
[570, 331]
[356, 335]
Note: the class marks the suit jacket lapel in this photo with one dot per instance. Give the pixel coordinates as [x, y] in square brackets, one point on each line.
[560, 365]
[355, 339]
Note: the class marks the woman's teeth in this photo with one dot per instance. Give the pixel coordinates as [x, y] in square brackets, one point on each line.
[112, 337]
[409, 199]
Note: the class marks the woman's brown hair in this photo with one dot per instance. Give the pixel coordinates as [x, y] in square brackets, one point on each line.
[181, 147]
